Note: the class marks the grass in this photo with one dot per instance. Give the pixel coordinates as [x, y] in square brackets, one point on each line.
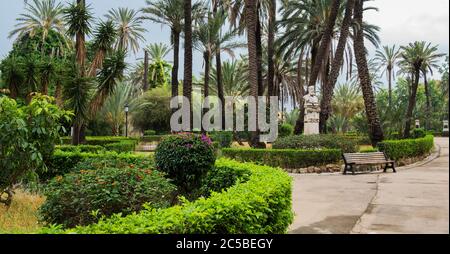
[21, 217]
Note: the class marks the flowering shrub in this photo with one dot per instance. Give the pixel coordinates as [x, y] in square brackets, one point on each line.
[186, 158]
[84, 197]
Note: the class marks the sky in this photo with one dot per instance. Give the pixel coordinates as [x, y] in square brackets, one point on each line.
[401, 22]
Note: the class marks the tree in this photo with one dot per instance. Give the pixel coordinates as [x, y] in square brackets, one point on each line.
[335, 66]
[41, 15]
[387, 59]
[29, 133]
[271, 46]
[375, 131]
[104, 37]
[413, 58]
[128, 23]
[234, 79]
[187, 81]
[12, 74]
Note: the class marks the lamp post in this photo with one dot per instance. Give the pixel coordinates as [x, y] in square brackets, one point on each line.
[126, 119]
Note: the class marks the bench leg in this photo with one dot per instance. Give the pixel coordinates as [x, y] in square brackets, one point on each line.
[345, 169]
[353, 170]
[389, 165]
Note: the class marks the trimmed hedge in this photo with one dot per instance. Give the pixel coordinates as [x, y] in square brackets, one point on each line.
[405, 148]
[262, 205]
[117, 144]
[81, 148]
[65, 162]
[314, 142]
[285, 158]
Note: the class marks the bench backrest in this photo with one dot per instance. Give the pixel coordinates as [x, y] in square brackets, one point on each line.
[364, 157]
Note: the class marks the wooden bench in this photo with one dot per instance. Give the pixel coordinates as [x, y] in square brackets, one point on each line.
[357, 159]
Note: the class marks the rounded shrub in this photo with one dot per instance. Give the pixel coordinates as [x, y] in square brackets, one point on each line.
[419, 133]
[82, 198]
[149, 133]
[285, 130]
[186, 158]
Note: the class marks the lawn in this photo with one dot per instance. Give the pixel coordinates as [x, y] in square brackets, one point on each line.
[21, 217]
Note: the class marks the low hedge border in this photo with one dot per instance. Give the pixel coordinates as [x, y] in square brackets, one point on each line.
[261, 205]
[407, 148]
[115, 144]
[285, 158]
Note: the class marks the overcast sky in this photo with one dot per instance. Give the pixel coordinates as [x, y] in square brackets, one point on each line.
[401, 22]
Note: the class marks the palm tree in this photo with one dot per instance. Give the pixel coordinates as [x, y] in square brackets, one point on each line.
[47, 72]
[387, 59]
[41, 15]
[271, 46]
[234, 79]
[413, 59]
[336, 65]
[347, 102]
[78, 17]
[187, 81]
[12, 74]
[375, 131]
[251, 23]
[208, 38]
[104, 37]
[170, 13]
[128, 23]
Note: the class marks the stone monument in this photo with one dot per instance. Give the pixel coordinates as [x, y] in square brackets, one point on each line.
[312, 110]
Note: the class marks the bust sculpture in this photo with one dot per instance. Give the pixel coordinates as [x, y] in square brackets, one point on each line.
[312, 110]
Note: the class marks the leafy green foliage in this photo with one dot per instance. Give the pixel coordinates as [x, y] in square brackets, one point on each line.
[405, 148]
[81, 148]
[27, 137]
[75, 198]
[261, 205]
[149, 133]
[347, 145]
[285, 130]
[419, 133]
[223, 138]
[186, 158]
[285, 158]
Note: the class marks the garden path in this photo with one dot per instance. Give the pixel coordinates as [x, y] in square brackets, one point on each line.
[415, 200]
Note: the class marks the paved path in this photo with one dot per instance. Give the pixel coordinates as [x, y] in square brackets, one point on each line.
[415, 200]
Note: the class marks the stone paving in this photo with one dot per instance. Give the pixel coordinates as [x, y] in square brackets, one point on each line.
[415, 200]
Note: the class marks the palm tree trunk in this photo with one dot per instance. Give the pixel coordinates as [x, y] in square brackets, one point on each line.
[251, 22]
[207, 59]
[187, 83]
[428, 98]
[58, 94]
[176, 53]
[328, 89]
[220, 92]
[259, 52]
[325, 44]
[376, 133]
[145, 78]
[389, 70]
[271, 46]
[411, 104]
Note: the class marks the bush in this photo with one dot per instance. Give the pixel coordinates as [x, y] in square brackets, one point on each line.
[346, 145]
[81, 148]
[112, 143]
[224, 139]
[285, 130]
[261, 205]
[124, 146]
[186, 158]
[285, 158]
[419, 133]
[406, 148]
[369, 150]
[149, 133]
[71, 200]
[65, 162]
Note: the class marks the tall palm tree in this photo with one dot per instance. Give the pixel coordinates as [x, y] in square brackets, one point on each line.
[41, 15]
[188, 44]
[375, 131]
[413, 59]
[336, 65]
[387, 59]
[170, 13]
[271, 46]
[234, 78]
[251, 24]
[128, 23]
[78, 17]
[47, 70]
[104, 37]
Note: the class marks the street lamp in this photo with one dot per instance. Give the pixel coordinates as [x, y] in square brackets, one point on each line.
[127, 109]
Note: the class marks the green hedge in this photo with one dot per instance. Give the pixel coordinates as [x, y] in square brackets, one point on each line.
[261, 205]
[405, 148]
[81, 148]
[65, 162]
[314, 142]
[118, 144]
[285, 158]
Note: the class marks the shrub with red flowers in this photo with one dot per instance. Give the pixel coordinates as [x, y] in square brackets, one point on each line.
[82, 198]
[186, 158]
